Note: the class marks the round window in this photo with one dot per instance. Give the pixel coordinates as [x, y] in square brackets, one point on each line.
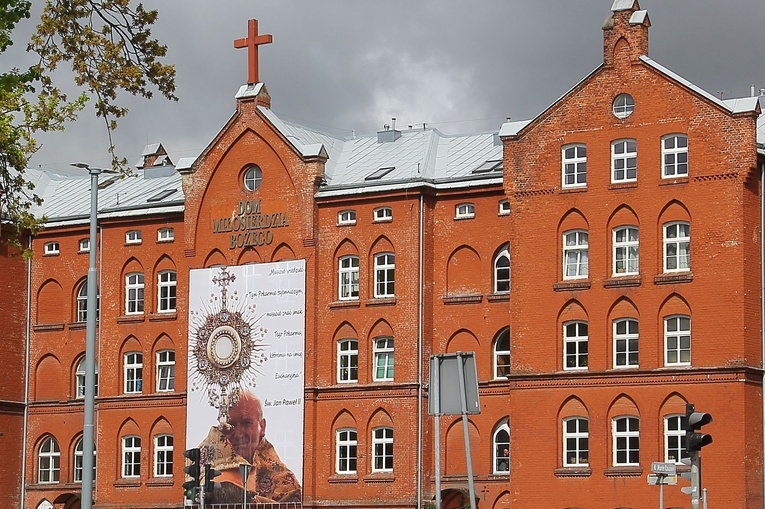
[252, 178]
[623, 106]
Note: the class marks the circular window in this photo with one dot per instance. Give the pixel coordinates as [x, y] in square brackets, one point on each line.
[252, 178]
[623, 106]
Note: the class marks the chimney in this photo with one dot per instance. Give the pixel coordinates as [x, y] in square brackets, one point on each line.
[625, 33]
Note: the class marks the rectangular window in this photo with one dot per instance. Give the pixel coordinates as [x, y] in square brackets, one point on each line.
[134, 286]
[165, 235]
[677, 340]
[78, 462]
[346, 442]
[674, 439]
[166, 287]
[575, 254]
[576, 442]
[163, 456]
[165, 371]
[385, 271]
[382, 450]
[131, 456]
[348, 361]
[575, 345]
[133, 237]
[624, 161]
[626, 245]
[349, 278]
[674, 151]
[575, 166]
[677, 247]
[626, 441]
[383, 355]
[626, 343]
[133, 372]
[84, 245]
[504, 207]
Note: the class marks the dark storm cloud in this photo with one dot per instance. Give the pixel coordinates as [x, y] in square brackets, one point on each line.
[459, 66]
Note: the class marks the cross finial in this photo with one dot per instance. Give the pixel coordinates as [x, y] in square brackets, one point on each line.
[251, 42]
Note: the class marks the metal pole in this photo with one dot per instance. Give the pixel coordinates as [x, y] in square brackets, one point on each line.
[661, 491]
[704, 498]
[435, 393]
[468, 455]
[86, 498]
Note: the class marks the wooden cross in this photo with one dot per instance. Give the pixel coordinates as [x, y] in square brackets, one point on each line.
[251, 42]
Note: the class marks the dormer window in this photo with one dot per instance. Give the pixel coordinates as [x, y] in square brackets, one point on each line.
[51, 249]
[464, 211]
[133, 237]
[84, 246]
[346, 217]
[623, 106]
[383, 214]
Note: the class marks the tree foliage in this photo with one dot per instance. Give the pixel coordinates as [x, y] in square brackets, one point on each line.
[110, 48]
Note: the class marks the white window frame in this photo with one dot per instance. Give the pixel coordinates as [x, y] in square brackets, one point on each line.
[502, 354]
[674, 438]
[576, 345]
[51, 248]
[626, 251]
[346, 451]
[382, 449]
[348, 360]
[48, 461]
[502, 271]
[623, 106]
[346, 217]
[677, 340]
[624, 441]
[680, 244]
[576, 441]
[348, 278]
[626, 343]
[131, 456]
[576, 246]
[383, 214]
[166, 371]
[82, 303]
[574, 168]
[163, 455]
[674, 156]
[165, 235]
[79, 455]
[84, 246]
[384, 355]
[133, 237]
[133, 373]
[134, 293]
[385, 275]
[252, 178]
[464, 211]
[504, 207]
[79, 376]
[500, 441]
[623, 161]
[166, 291]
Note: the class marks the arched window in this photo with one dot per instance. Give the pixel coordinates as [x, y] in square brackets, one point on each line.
[576, 442]
[385, 272]
[133, 371]
[131, 456]
[501, 449]
[134, 285]
[348, 275]
[677, 246]
[382, 449]
[165, 370]
[383, 356]
[82, 302]
[502, 354]
[78, 463]
[49, 461]
[79, 375]
[502, 271]
[575, 254]
[575, 345]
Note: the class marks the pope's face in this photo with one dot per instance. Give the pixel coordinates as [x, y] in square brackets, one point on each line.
[249, 428]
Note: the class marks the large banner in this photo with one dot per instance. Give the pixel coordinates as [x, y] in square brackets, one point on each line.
[246, 378]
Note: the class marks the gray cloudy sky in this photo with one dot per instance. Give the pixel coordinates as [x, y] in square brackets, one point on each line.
[457, 65]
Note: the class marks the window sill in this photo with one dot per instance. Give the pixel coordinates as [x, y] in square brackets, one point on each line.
[136, 318]
[623, 471]
[386, 220]
[572, 286]
[160, 481]
[339, 304]
[127, 483]
[160, 317]
[498, 297]
[573, 472]
[48, 327]
[50, 254]
[462, 299]
[343, 479]
[668, 181]
[614, 186]
[379, 477]
[464, 218]
[499, 476]
[78, 325]
[571, 190]
[381, 301]
[672, 278]
[622, 281]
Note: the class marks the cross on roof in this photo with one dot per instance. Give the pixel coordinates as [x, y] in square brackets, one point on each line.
[251, 42]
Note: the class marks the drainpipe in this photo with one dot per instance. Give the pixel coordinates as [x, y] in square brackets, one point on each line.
[27, 339]
[762, 303]
[419, 358]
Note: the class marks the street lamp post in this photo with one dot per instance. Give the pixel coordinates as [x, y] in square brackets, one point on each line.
[88, 442]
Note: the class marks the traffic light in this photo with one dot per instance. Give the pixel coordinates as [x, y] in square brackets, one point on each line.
[694, 439]
[191, 487]
[210, 474]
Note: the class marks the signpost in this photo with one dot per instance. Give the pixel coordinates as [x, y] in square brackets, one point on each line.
[663, 473]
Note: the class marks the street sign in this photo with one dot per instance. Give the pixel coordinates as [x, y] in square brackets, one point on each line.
[657, 467]
[661, 479]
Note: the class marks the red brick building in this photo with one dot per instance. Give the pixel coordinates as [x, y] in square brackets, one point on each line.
[601, 259]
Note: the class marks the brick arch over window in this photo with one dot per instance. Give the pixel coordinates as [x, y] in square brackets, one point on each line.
[674, 304]
[161, 426]
[344, 419]
[380, 328]
[48, 376]
[673, 212]
[381, 244]
[573, 219]
[623, 307]
[380, 417]
[283, 252]
[674, 403]
[571, 407]
[463, 340]
[216, 258]
[623, 215]
[249, 255]
[502, 501]
[132, 264]
[346, 247]
[454, 448]
[50, 296]
[462, 278]
[572, 310]
[622, 405]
